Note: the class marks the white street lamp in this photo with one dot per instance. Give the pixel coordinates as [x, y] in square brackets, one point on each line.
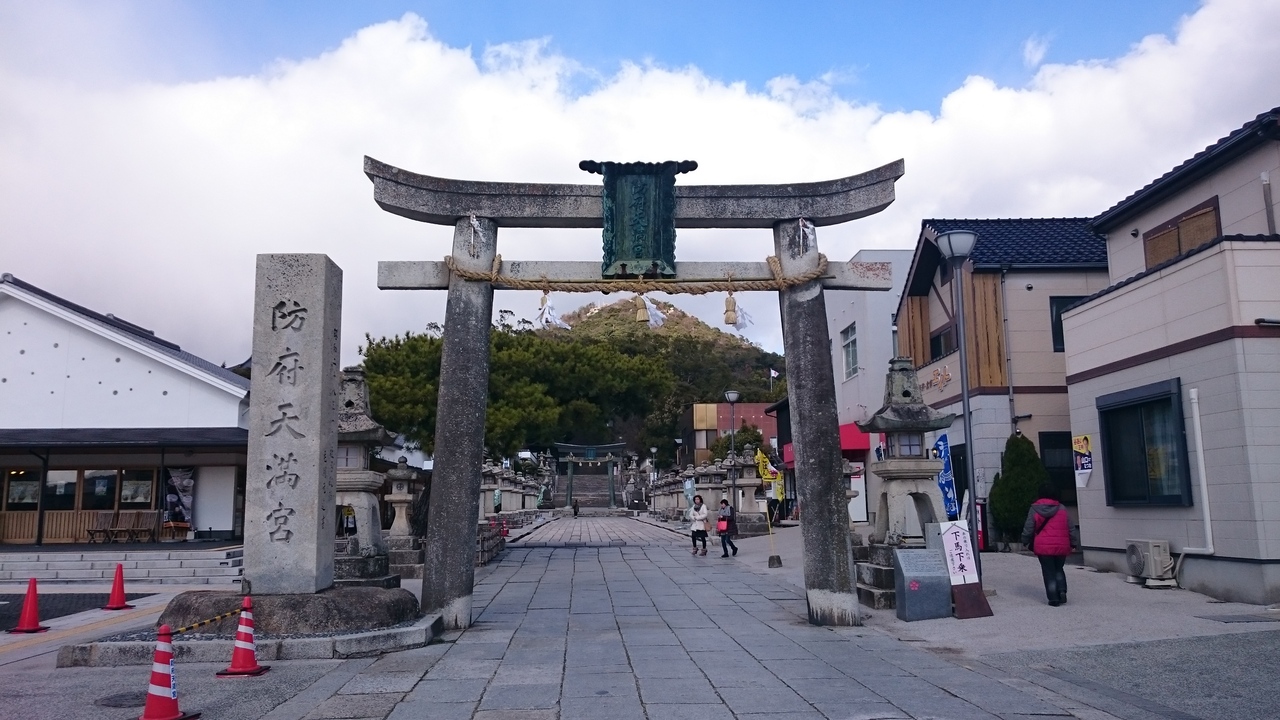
[956, 246]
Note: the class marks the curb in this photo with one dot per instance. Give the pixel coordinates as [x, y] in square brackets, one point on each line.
[341, 647]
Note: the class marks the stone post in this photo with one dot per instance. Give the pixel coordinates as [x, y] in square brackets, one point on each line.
[293, 425]
[449, 572]
[815, 431]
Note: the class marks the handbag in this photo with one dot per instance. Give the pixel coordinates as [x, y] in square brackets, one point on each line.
[722, 526]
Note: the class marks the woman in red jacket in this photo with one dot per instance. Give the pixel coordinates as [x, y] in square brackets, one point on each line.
[1049, 532]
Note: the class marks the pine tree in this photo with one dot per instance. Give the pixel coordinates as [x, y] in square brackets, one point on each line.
[1016, 485]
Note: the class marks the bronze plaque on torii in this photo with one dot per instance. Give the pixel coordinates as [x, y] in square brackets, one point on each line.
[639, 204]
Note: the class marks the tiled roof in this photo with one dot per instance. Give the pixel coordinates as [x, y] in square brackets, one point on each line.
[104, 437]
[1174, 261]
[134, 331]
[1029, 242]
[1258, 130]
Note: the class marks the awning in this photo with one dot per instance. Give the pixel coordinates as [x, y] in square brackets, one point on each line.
[851, 439]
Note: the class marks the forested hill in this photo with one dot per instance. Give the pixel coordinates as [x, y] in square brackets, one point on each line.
[608, 377]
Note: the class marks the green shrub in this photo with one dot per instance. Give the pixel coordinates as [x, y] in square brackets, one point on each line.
[1016, 485]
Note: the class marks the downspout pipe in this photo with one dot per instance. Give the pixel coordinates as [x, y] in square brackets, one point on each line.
[1008, 352]
[1198, 436]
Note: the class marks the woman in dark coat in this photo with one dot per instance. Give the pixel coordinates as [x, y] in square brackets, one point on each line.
[1050, 534]
[730, 518]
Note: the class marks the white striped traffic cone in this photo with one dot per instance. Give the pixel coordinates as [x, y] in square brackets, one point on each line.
[162, 692]
[244, 655]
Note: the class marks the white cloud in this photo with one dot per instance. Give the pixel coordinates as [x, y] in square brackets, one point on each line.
[1034, 50]
[151, 200]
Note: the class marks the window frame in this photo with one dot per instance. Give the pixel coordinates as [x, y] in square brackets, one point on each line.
[848, 340]
[1175, 225]
[1057, 304]
[1170, 390]
[948, 330]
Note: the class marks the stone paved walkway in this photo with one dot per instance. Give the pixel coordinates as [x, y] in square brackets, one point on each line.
[602, 632]
[647, 630]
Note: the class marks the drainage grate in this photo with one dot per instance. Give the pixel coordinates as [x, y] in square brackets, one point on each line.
[123, 700]
[1239, 618]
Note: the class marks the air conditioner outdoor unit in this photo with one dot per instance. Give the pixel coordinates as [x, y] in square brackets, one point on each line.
[1149, 559]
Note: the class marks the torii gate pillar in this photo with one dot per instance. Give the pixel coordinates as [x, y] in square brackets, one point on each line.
[815, 431]
[448, 574]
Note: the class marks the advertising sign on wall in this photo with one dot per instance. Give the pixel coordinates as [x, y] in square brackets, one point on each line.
[1082, 452]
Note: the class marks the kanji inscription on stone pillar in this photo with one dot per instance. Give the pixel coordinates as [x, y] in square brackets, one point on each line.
[293, 421]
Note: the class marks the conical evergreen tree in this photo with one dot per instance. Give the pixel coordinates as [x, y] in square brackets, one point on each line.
[1016, 485]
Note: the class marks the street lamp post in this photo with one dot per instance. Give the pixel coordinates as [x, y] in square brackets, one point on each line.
[732, 396]
[956, 246]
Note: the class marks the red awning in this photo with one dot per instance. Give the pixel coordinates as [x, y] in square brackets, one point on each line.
[851, 438]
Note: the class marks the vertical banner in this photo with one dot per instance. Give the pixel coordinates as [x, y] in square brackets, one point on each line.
[947, 478]
[1082, 454]
[179, 495]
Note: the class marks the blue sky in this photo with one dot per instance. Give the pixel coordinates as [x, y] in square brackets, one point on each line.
[901, 55]
[174, 141]
[897, 55]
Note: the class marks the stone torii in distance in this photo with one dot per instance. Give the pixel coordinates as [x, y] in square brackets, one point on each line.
[797, 272]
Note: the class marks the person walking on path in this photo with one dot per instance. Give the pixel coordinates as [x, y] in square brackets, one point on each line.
[727, 527]
[575, 507]
[698, 524]
[1050, 534]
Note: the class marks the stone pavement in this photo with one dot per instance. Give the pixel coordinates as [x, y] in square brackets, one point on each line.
[611, 630]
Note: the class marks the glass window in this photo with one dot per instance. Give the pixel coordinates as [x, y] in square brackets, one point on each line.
[942, 343]
[136, 489]
[849, 341]
[22, 488]
[99, 490]
[906, 445]
[60, 490]
[351, 456]
[1056, 305]
[1144, 447]
[1059, 461]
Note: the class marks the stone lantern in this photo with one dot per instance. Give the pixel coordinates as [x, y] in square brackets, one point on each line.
[907, 468]
[358, 437]
[401, 496]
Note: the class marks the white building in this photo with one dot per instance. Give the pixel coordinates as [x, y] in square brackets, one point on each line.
[1173, 373]
[98, 414]
[861, 326]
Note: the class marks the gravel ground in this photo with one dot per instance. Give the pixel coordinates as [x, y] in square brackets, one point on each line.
[54, 605]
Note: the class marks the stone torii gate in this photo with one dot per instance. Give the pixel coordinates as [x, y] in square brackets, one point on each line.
[477, 209]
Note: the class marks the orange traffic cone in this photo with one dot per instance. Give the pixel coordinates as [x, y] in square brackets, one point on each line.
[162, 693]
[29, 621]
[117, 600]
[244, 656]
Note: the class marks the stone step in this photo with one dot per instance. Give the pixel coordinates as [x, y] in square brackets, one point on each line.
[877, 576]
[389, 582]
[407, 572]
[876, 598]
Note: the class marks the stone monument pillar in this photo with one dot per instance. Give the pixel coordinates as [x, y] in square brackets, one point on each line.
[293, 425]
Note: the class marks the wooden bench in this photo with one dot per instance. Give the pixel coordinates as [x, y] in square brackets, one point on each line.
[100, 526]
[144, 524]
[123, 526]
